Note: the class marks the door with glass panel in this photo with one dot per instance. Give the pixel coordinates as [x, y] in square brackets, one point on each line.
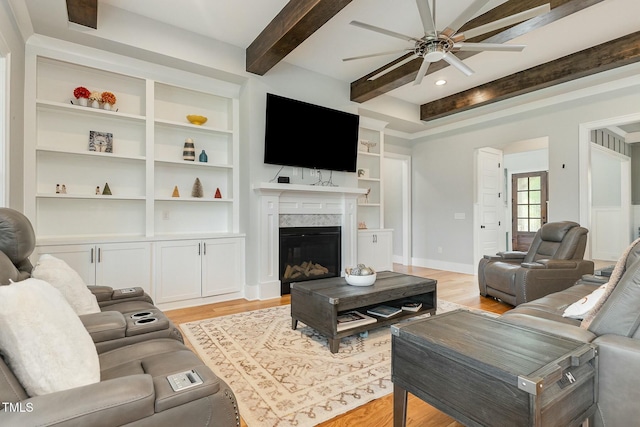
[529, 207]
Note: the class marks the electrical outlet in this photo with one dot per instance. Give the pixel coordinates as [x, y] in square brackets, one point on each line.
[312, 172]
[439, 249]
[295, 171]
[166, 215]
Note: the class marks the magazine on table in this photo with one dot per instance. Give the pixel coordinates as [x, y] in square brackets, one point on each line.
[351, 319]
[411, 306]
[384, 311]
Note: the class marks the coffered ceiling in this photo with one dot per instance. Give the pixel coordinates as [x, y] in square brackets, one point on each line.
[316, 35]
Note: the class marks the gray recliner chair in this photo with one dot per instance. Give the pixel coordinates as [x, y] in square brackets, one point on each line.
[554, 262]
[128, 315]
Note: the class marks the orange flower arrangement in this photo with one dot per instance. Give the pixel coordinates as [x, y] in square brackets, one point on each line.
[108, 98]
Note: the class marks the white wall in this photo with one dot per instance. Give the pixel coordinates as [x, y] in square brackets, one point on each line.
[443, 165]
[12, 48]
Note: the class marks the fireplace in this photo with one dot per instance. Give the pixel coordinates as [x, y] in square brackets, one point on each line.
[308, 253]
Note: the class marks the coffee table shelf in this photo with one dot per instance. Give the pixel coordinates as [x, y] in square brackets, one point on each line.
[317, 303]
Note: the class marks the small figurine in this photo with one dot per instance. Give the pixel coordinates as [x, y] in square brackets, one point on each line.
[107, 190]
[58, 189]
[98, 190]
[218, 194]
[175, 193]
[64, 189]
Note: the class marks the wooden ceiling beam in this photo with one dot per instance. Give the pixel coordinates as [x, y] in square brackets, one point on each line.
[364, 89]
[83, 12]
[295, 22]
[606, 56]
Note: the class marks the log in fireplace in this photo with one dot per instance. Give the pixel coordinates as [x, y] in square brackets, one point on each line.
[308, 253]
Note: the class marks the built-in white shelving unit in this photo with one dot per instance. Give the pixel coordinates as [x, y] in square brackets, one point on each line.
[149, 128]
[374, 242]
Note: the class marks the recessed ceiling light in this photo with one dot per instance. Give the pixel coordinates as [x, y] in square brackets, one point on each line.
[441, 82]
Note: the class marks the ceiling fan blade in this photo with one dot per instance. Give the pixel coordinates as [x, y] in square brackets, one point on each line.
[422, 72]
[479, 47]
[383, 31]
[455, 62]
[393, 67]
[371, 55]
[505, 22]
[426, 17]
[465, 16]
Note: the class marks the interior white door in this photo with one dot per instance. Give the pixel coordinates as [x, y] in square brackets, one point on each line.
[489, 209]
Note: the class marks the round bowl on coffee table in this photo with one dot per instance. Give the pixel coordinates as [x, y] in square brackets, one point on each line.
[367, 280]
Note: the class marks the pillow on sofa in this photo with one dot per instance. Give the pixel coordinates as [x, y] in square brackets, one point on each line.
[64, 278]
[580, 308]
[44, 341]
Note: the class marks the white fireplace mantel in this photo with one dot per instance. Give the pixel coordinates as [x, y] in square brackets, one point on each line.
[296, 199]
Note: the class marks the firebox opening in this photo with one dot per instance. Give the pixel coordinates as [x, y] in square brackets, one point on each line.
[308, 253]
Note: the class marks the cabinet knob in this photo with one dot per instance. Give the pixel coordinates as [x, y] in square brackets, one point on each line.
[91, 255]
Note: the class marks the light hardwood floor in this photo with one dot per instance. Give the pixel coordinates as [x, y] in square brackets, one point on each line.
[454, 287]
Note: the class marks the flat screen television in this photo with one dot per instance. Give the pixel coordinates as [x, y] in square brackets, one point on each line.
[304, 135]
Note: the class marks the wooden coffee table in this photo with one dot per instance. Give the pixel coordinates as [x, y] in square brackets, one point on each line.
[317, 303]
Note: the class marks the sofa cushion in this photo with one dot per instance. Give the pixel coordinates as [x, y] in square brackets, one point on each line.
[580, 308]
[619, 314]
[64, 278]
[43, 339]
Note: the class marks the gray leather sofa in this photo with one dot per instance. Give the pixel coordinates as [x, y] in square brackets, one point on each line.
[553, 263]
[136, 362]
[128, 315]
[615, 329]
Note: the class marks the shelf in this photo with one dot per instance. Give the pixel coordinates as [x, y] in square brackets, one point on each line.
[89, 153]
[192, 126]
[194, 164]
[364, 153]
[192, 199]
[85, 196]
[52, 105]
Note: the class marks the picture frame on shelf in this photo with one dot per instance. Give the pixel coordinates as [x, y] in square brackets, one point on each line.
[101, 142]
[363, 173]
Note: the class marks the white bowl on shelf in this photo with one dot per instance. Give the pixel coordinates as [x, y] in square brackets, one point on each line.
[367, 280]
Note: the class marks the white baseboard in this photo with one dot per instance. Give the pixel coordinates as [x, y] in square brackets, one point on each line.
[444, 265]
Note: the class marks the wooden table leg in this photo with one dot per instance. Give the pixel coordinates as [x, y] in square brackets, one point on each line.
[294, 323]
[334, 345]
[399, 406]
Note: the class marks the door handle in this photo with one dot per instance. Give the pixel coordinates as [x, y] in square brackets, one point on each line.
[99, 254]
[204, 246]
[199, 253]
[91, 255]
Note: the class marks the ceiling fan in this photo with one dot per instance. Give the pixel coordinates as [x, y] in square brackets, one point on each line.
[441, 45]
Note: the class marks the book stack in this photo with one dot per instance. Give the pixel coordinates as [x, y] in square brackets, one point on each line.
[351, 319]
[384, 311]
[411, 306]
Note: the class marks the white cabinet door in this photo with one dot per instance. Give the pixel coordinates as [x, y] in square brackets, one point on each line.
[123, 265]
[79, 257]
[178, 270]
[375, 249]
[222, 266]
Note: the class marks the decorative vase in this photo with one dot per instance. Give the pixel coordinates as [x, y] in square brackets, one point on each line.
[106, 106]
[83, 102]
[218, 194]
[203, 157]
[189, 151]
[95, 104]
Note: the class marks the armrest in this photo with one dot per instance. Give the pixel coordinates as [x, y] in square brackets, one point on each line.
[106, 295]
[511, 256]
[618, 358]
[105, 326]
[551, 264]
[592, 279]
[113, 402]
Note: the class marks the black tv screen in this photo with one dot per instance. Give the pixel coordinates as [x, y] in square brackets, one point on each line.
[304, 135]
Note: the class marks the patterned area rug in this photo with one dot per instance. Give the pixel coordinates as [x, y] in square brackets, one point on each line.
[283, 377]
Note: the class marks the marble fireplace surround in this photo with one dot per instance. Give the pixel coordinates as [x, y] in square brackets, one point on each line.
[293, 205]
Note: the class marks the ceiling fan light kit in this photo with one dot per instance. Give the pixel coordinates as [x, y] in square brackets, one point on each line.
[437, 45]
